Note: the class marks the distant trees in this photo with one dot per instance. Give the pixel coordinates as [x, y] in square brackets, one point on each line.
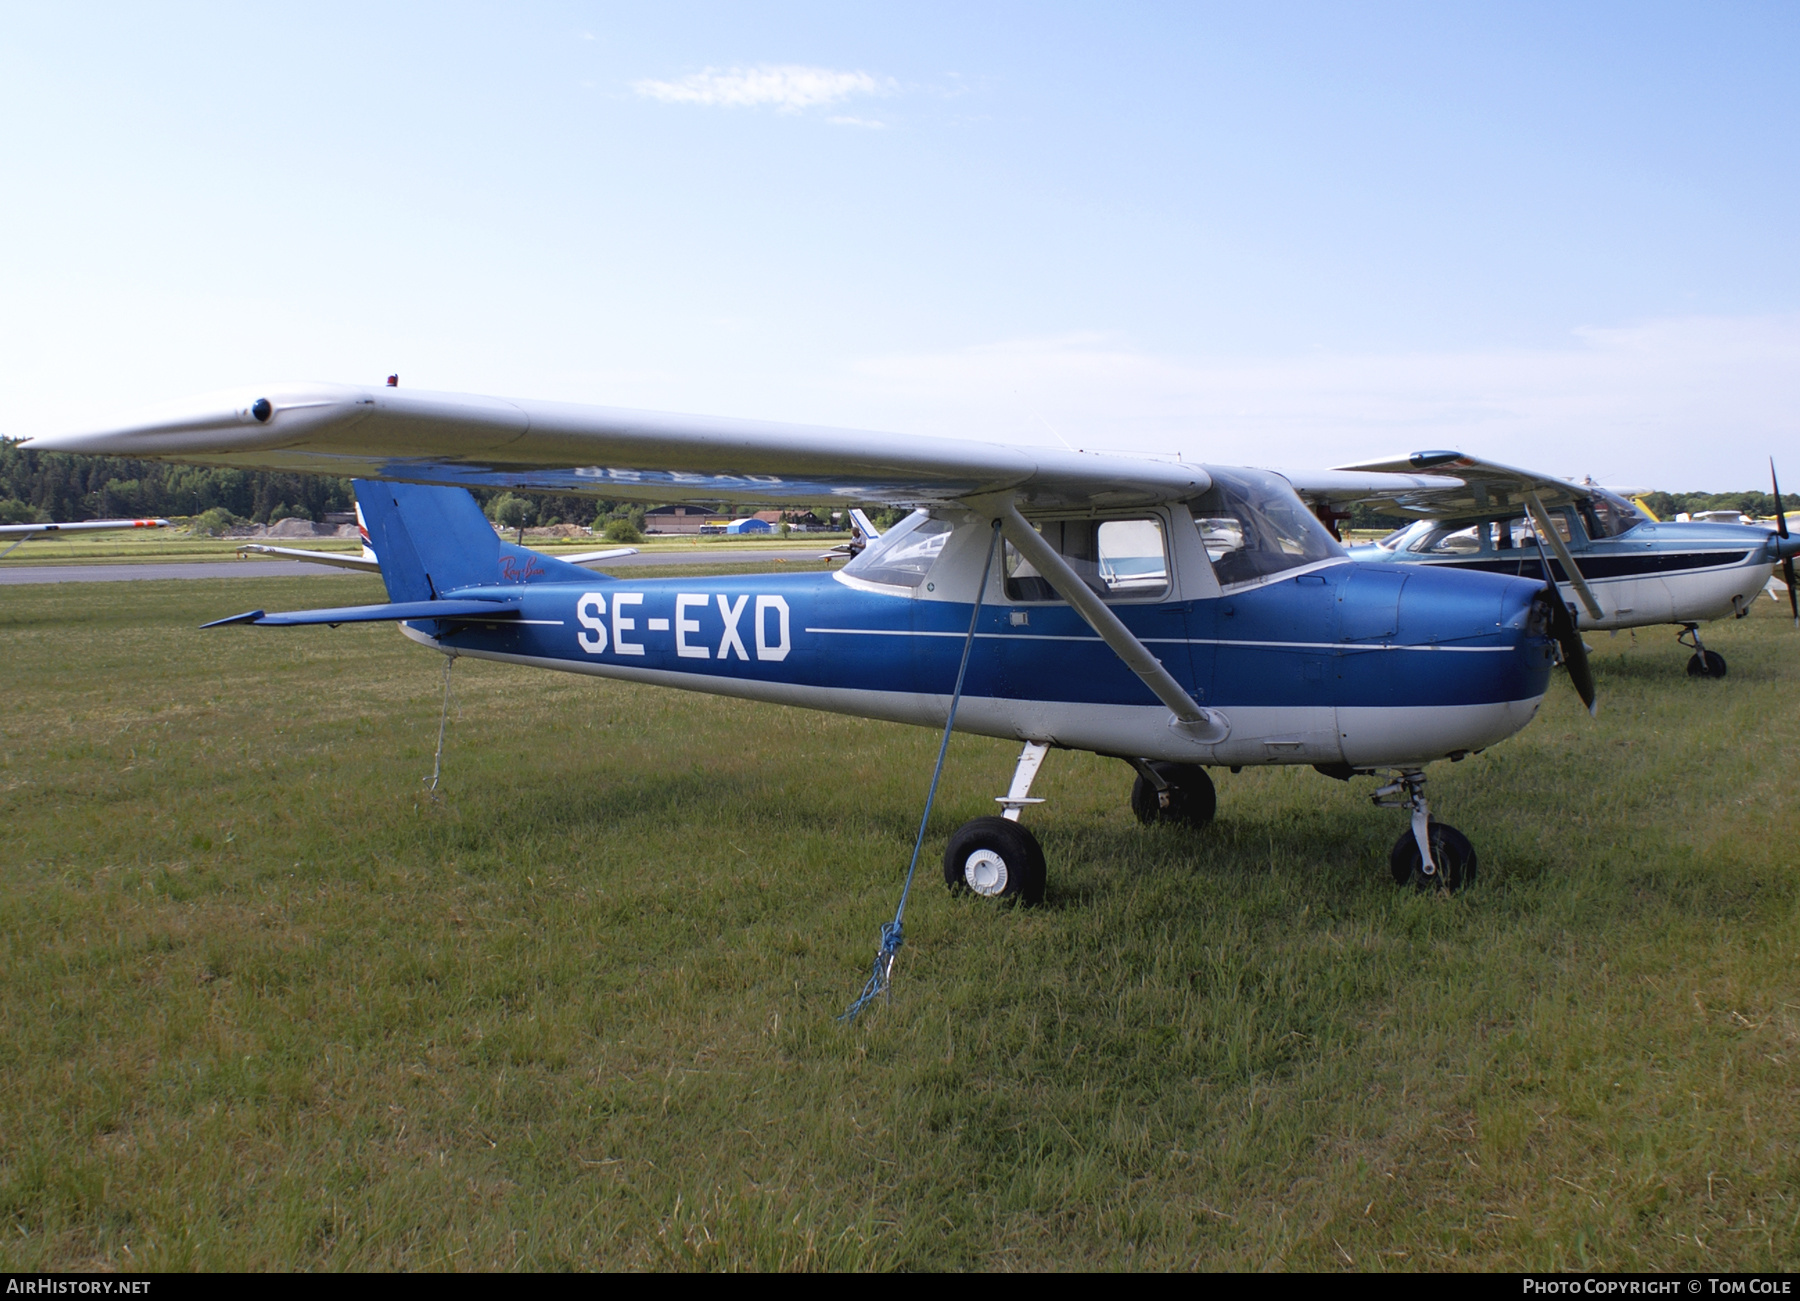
[42, 486]
[37, 487]
[511, 512]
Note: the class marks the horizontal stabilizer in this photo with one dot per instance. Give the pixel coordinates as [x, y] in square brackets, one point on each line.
[336, 559]
[377, 613]
[597, 557]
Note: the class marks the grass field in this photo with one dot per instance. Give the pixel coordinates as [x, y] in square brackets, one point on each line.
[268, 1005]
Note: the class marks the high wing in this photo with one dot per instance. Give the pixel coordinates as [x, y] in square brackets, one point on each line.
[1433, 485]
[471, 441]
[22, 533]
[80, 526]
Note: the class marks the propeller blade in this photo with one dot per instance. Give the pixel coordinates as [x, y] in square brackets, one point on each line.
[1574, 653]
[1781, 531]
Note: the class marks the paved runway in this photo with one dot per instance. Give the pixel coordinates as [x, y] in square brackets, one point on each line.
[295, 568]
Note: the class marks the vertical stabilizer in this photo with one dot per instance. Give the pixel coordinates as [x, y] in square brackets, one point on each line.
[432, 541]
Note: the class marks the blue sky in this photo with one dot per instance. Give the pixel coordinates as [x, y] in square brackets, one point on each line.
[1562, 236]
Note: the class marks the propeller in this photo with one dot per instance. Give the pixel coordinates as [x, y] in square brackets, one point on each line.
[1574, 653]
[1568, 637]
[1781, 531]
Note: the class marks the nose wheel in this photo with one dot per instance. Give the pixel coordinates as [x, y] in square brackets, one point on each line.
[1430, 855]
[1704, 663]
[1452, 857]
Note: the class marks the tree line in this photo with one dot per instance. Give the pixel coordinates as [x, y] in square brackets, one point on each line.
[41, 487]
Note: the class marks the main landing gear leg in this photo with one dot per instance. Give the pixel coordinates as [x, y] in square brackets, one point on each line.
[1705, 663]
[1172, 792]
[996, 857]
[1431, 854]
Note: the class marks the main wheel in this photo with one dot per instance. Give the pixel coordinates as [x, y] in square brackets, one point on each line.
[1706, 664]
[1192, 799]
[1451, 852]
[997, 859]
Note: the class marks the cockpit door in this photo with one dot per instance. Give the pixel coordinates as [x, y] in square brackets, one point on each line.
[1049, 650]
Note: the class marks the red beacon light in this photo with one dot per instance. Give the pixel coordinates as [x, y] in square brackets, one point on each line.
[393, 381]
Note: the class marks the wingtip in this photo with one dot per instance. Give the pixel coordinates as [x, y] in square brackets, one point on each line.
[250, 616]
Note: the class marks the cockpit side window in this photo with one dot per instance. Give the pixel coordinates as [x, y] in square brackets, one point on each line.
[1118, 558]
[1253, 525]
[903, 555]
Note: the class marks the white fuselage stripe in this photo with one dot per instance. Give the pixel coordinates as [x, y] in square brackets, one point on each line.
[1167, 641]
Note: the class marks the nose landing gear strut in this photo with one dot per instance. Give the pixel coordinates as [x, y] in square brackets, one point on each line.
[1705, 663]
[1430, 854]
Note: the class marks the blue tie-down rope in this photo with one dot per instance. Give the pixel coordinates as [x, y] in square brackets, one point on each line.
[892, 933]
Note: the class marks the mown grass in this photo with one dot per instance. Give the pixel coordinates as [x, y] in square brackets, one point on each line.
[268, 1005]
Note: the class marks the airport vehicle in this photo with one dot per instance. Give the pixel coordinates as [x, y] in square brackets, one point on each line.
[1174, 616]
[23, 533]
[1617, 566]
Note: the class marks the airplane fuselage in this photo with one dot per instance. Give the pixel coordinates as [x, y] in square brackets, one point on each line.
[1654, 573]
[1339, 663]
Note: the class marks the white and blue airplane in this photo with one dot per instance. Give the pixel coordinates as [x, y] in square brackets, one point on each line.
[367, 562]
[1174, 616]
[1619, 566]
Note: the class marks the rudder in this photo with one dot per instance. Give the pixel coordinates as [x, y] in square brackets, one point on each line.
[432, 541]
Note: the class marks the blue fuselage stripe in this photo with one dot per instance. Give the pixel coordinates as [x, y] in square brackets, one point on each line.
[1294, 642]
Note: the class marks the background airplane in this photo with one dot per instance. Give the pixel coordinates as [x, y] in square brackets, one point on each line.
[1170, 615]
[862, 532]
[370, 563]
[1618, 567]
[23, 533]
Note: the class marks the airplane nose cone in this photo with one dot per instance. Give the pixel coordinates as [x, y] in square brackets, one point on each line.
[1446, 606]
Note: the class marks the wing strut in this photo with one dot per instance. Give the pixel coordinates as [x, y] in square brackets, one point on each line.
[1190, 718]
[1547, 531]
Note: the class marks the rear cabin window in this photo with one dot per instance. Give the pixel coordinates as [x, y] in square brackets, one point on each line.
[1118, 558]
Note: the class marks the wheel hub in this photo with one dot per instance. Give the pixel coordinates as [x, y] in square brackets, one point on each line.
[985, 872]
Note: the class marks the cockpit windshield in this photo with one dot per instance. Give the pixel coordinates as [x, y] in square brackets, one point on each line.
[1612, 513]
[1253, 525]
[901, 556]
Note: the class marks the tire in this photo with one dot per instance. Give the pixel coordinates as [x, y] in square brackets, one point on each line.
[997, 859]
[1706, 664]
[1192, 798]
[1450, 851]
